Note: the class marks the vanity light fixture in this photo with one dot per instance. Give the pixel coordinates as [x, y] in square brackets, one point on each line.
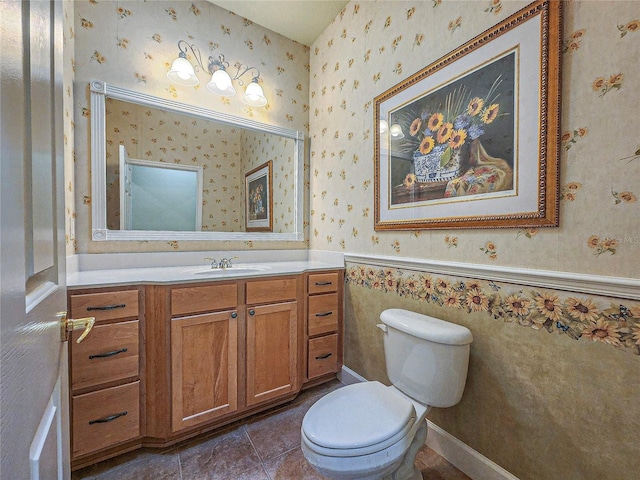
[183, 72]
[395, 130]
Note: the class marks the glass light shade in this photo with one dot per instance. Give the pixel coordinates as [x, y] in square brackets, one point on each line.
[182, 73]
[254, 95]
[396, 131]
[220, 84]
[384, 126]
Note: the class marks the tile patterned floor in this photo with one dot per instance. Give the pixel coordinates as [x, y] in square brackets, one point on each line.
[264, 447]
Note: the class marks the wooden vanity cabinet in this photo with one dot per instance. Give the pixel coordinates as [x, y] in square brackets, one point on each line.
[173, 361]
[105, 371]
[233, 346]
[324, 293]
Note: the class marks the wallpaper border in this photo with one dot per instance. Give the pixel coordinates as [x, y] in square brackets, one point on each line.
[608, 319]
[619, 287]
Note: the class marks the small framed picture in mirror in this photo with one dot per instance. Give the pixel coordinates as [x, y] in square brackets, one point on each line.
[258, 199]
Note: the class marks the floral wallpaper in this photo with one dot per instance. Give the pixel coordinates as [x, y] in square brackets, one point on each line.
[68, 43]
[132, 44]
[371, 46]
[610, 321]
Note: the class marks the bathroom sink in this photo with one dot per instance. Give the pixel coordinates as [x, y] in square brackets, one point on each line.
[229, 271]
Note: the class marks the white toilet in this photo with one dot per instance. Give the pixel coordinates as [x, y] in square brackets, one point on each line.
[369, 431]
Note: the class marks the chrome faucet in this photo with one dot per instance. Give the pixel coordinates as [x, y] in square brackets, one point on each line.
[224, 262]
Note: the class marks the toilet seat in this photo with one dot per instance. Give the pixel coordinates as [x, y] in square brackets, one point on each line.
[357, 420]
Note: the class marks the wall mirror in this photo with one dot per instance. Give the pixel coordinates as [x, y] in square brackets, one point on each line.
[132, 129]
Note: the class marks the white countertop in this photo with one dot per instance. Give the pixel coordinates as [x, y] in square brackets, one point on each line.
[106, 270]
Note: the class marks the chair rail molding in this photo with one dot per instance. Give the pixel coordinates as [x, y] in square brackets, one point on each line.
[619, 287]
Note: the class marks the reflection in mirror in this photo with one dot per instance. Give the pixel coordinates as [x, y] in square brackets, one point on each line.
[141, 132]
[225, 153]
[157, 195]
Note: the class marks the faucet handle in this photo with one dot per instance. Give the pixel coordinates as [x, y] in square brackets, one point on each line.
[213, 262]
[232, 258]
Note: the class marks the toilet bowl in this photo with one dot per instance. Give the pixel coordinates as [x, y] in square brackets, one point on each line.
[361, 431]
[369, 431]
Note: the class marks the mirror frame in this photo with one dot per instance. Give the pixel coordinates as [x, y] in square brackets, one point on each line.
[99, 232]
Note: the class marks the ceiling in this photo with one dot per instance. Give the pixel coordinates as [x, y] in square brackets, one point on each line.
[299, 20]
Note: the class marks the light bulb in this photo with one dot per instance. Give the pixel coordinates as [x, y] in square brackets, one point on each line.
[220, 84]
[221, 79]
[182, 73]
[254, 95]
[384, 126]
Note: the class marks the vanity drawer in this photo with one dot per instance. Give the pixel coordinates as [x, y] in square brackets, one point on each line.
[267, 291]
[188, 300]
[323, 314]
[105, 418]
[323, 283]
[106, 305]
[323, 355]
[109, 353]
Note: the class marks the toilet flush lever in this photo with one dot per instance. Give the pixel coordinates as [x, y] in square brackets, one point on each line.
[383, 327]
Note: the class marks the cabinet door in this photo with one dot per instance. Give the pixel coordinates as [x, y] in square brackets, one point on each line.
[204, 364]
[271, 351]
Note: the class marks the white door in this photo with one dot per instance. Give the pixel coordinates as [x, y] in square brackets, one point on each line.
[34, 432]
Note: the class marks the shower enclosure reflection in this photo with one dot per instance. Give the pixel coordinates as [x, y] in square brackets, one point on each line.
[159, 196]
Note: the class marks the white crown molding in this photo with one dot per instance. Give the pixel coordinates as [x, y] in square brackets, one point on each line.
[619, 287]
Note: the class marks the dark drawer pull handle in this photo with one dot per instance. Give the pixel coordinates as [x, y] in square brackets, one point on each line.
[108, 419]
[252, 312]
[234, 315]
[322, 357]
[108, 354]
[322, 284]
[324, 314]
[107, 307]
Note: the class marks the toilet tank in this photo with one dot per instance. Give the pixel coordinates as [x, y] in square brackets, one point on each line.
[427, 358]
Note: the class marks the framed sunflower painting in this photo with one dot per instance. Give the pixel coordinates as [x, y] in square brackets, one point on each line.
[472, 140]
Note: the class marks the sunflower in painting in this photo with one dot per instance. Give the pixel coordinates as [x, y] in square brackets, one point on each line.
[440, 133]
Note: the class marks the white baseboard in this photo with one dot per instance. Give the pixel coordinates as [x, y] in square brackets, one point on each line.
[457, 453]
[463, 457]
[348, 376]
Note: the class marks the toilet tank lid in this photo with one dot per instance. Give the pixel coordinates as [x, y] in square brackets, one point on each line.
[426, 327]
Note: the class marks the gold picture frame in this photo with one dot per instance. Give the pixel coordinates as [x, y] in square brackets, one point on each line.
[258, 195]
[472, 140]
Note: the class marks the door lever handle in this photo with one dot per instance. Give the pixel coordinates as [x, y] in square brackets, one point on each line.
[68, 325]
